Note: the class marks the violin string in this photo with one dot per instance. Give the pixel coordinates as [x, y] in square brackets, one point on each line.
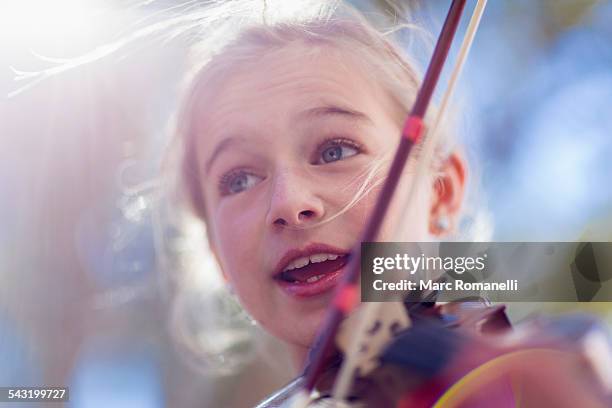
[347, 369]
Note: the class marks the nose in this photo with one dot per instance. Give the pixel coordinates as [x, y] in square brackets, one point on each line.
[293, 202]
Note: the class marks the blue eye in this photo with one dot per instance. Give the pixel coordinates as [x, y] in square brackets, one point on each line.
[237, 181]
[338, 149]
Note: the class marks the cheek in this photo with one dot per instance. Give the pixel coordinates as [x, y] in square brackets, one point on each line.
[236, 232]
[365, 207]
[403, 221]
[408, 215]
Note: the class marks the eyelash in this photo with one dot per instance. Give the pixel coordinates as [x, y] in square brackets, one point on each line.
[227, 178]
[337, 141]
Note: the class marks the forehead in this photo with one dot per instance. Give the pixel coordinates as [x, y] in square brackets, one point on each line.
[273, 89]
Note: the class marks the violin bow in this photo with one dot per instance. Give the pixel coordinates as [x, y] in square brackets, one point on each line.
[372, 309]
[346, 297]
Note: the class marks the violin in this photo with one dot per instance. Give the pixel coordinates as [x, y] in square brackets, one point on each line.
[468, 355]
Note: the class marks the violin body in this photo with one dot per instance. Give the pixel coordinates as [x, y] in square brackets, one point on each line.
[480, 360]
[468, 355]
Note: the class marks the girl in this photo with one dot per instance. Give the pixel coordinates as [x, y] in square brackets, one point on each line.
[285, 136]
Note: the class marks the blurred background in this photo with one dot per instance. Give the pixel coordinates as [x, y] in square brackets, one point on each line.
[84, 300]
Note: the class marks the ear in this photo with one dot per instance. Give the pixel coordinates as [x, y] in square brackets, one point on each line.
[447, 197]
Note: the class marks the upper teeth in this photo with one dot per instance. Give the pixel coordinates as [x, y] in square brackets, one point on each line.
[305, 260]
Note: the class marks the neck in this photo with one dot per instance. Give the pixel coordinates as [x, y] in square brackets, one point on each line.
[299, 354]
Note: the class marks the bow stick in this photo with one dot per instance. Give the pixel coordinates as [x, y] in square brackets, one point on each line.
[372, 309]
[346, 296]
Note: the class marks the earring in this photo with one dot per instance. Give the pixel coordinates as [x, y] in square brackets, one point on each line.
[443, 223]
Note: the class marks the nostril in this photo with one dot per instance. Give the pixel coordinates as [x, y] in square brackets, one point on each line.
[306, 214]
[301, 217]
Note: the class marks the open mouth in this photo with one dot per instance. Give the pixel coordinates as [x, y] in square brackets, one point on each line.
[312, 274]
[309, 269]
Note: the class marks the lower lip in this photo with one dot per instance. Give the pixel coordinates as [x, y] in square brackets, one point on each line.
[310, 289]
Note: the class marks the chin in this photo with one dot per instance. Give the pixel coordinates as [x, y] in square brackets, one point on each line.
[295, 321]
[305, 326]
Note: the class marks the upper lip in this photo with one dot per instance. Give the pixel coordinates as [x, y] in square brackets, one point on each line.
[315, 248]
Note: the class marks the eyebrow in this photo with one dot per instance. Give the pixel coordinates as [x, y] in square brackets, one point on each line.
[225, 144]
[333, 110]
[319, 111]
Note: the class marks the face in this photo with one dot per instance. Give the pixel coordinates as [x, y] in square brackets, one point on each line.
[284, 144]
